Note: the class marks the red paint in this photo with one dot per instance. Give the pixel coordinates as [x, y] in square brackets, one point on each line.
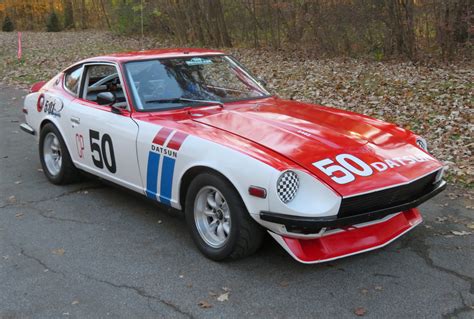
[284, 134]
[306, 133]
[177, 140]
[353, 240]
[162, 135]
[154, 54]
[181, 120]
[20, 47]
[37, 86]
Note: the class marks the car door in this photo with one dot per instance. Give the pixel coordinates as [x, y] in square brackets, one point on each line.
[105, 137]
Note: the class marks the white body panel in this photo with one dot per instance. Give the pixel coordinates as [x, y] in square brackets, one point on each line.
[159, 176]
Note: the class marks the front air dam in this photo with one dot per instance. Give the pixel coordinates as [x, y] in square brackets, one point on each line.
[350, 240]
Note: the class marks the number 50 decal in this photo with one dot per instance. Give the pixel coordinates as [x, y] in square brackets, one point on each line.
[345, 168]
[101, 151]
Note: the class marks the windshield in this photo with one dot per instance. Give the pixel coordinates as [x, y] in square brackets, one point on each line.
[173, 82]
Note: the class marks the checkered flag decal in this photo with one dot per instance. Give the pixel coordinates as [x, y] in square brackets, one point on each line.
[287, 186]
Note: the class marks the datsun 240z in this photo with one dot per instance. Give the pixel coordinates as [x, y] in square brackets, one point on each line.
[192, 129]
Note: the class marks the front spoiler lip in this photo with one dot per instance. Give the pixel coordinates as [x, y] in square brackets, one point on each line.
[314, 224]
[352, 241]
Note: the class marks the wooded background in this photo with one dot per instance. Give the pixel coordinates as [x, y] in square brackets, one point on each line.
[415, 29]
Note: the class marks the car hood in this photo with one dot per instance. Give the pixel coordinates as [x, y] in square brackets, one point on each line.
[307, 134]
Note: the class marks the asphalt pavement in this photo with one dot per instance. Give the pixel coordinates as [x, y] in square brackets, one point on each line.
[93, 250]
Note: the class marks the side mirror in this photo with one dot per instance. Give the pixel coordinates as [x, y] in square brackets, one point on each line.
[106, 98]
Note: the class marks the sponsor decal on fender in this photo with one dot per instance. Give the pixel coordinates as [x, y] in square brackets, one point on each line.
[80, 145]
[349, 166]
[161, 162]
[50, 105]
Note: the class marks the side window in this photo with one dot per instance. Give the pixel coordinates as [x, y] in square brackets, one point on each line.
[71, 79]
[100, 78]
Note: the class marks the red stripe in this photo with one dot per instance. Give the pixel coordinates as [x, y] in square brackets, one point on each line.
[162, 135]
[176, 141]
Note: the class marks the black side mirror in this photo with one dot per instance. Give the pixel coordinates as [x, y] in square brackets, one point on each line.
[106, 98]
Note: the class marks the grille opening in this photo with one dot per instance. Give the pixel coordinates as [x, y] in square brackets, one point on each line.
[387, 197]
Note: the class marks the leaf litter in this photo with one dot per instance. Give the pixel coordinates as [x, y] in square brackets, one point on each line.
[435, 101]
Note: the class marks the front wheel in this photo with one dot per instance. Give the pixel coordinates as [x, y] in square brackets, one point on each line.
[218, 220]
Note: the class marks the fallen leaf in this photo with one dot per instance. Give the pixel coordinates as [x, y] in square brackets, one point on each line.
[364, 291]
[19, 215]
[441, 219]
[223, 297]
[58, 251]
[470, 226]
[39, 169]
[12, 199]
[75, 302]
[18, 182]
[379, 288]
[284, 283]
[204, 304]
[460, 233]
[360, 311]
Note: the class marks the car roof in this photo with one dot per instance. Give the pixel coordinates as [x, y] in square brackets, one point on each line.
[153, 54]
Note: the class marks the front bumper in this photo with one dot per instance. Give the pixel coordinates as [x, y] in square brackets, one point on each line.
[311, 225]
[351, 240]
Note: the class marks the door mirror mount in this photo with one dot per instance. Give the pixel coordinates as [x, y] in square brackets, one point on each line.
[117, 109]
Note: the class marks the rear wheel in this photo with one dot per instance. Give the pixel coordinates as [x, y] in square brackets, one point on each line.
[218, 220]
[54, 156]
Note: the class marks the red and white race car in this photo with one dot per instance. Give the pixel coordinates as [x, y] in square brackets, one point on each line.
[192, 129]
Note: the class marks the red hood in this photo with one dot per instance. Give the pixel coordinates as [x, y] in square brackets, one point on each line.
[307, 133]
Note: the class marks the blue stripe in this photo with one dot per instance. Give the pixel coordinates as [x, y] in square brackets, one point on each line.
[152, 175]
[167, 170]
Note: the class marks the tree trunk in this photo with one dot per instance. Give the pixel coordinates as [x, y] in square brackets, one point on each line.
[83, 14]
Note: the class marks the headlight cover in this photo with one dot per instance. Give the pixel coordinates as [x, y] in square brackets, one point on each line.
[287, 186]
[421, 142]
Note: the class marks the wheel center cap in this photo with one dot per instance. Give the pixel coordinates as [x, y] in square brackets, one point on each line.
[219, 213]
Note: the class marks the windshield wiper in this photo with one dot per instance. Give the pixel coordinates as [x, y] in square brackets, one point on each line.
[173, 100]
[183, 99]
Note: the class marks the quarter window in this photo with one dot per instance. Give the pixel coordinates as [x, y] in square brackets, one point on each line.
[71, 79]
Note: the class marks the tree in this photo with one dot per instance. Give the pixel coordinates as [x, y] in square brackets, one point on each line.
[8, 25]
[52, 24]
[68, 14]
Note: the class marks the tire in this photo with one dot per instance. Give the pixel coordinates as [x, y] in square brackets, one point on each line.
[243, 237]
[51, 145]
